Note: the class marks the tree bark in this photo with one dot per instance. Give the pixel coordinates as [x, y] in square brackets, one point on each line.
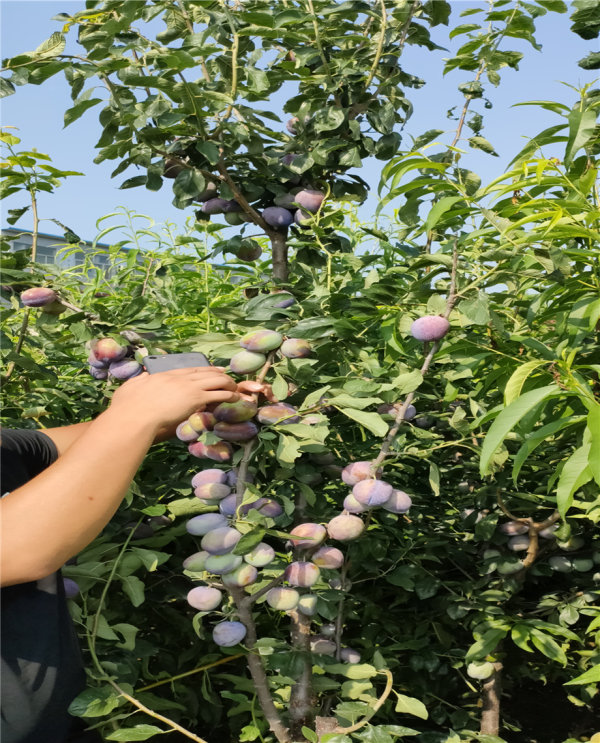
[490, 695]
[301, 699]
[280, 255]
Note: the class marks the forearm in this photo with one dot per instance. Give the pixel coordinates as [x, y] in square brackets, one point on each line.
[55, 515]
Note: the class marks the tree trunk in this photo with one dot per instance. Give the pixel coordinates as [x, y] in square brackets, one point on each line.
[490, 695]
[280, 255]
[301, 698]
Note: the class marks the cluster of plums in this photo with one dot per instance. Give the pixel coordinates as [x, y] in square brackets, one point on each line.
[368, 491]
[109, 357]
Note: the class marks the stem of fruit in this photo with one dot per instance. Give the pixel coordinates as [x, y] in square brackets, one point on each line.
[257, 670]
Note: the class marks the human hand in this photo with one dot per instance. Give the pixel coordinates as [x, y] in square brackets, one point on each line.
[164, 400]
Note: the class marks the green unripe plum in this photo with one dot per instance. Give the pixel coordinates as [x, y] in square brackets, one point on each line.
[357, 471]
[348, 655]
[520, 543]
[249, 250]
[195, 563]
[212, 491]
[38, 296]
[296, 348]
[235, 412]
[308, 535]
[220, 564]
[236, 431]
[398, 502]
[235, 219]
[372, 492]
[560, 564]
[242, 576]
[221, 452]
[220, 541]
[430, 328]
[323, 646]
[261, 340]
[480, 671]
[344, 527]
[573, 544]
[583, 564]
[283, 599]
[353, 506]
[202, 421]
[209, 475]
[246, 362]
[279, 413]
[108, 350]
[185, 432]
[228, 634]
[205, 522]
[307, 604]
[513, 528]
[509, 567]
[54, 308]
[303, 574]
[328, 557]
[204, 598]
[261, 555]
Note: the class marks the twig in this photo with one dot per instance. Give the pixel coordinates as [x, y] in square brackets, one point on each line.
[382, 31]
[219, 662]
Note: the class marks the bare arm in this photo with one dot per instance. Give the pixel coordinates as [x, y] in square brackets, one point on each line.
[56, 514]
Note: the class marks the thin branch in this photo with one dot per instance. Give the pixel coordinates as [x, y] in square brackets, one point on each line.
[378, 704]
[219, 662]
[380, 44]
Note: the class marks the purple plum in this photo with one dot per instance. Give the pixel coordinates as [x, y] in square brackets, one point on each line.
[228, 634]
[430, 328]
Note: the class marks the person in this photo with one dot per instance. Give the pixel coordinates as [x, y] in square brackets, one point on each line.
[60, 487]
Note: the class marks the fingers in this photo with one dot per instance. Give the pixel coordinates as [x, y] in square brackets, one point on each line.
[217, 396]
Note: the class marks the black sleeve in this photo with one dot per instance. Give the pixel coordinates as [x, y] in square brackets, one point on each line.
[25, 453]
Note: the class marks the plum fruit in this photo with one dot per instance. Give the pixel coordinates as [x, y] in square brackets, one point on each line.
[356, 471]
[108, 350]
[303, 574]
[323, 646]
[287, 300]
[205, 522]
[309, 199]
[209, 475]
[280, 412]
[328, 557]
[249, 250]
[480, 671]
[391, 410]
[220, 564]
[430, 328]
[38, 296]
[228, 634]
[202, 421]
[215, 206]
[185, 432]
[98, 373]
[353, 506]
[125, 369]
[518, 543]
[513, 528]
[308, 604]
[345, 527]
[204, 598]
[398, 502]
[261, 555]
[243, 575]
[348, 655]
[246, 362]
[283, 599]
[561, 564]
[308, 535]
[209, 192]
[212, 491]
[221, 452]
[220, 541]
[195, 563]
[71, 588]
[296, 348]
[236, 431]
[261, 340]
[278, 217]
[302, 218]
[372, 492]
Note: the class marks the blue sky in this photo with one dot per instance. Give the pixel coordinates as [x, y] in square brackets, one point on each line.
[37, 112]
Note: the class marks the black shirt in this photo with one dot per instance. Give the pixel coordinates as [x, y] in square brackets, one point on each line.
[42, 670]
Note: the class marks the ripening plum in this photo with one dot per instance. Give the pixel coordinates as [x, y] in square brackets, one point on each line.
[236, 431]
[93, 361]
[202, 421]
[228, 506]
[583, 564]
[205, 522]
[357, 471]
[231, 207]
[125, 369]
[309, 199]
[308, 604]
[246, 362]
[323, 646]
[302, 218]
[220, 541]
[287, 300]
[561, 564]
[195, 563]
[548, 532]
[572, 545]
[185, 432]
[327, 630]
[308, 535]
[328, 557]
[98, 373]
[38, 296]
[398, 502]
[391, 410]
[353, 506]
[228, 634]
[214, 206]
[290, 125]
[204, 598]
[212, 491]
[209, 475]
[209, 192]
[221, 452]
[512, 528]
[220, 564]
[261, 340]
[108, 350]
[261, 555]
[268, 507]
[480, 671]
[372, 492]
[345, 527]
[518, 543]
[243, 575]
[303, 574]
[296, 348]
[71, 588]
[279, 413]
[430, 328]
[277, 216]
[172, 167]
[283, 599]
[348, 655]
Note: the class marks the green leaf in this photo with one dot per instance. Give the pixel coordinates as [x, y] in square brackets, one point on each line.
[439, 209]
[6, 87]
[508, 419]
[591, 62]
[485, 645]
[481, 143]
[52, 47]
[517, 380]
[94, 702]
[189, 183]
[133, 587]
[541, 435]
[581, 129]
[520, 636]
[549, 647]
[138, 732]
[411, 706]
[591, 676]
[209, 150]
[593, 423]
[328, 118]
[309, 734]
[280, 387]
[249, 541]
[72, 114]
[371, 421]
[575, 473]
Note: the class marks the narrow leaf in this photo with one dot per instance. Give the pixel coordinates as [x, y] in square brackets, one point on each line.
[575, 473]
[515, 383]
[593, 423]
